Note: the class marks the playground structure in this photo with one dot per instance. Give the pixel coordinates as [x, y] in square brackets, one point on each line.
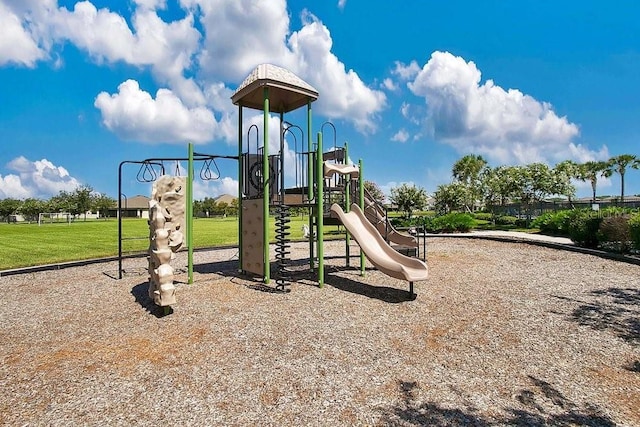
[318, 179]
[307, 178]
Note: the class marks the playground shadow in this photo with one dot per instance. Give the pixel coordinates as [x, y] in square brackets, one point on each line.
[540, 404]
[298, 271]
[141, 293]
[614, 309]
[633, 366]
[224, 268]
[382, 293]
[129, 272]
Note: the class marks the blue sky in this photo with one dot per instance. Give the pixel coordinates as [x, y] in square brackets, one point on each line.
[412, 88]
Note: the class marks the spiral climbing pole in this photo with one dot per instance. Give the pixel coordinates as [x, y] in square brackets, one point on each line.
[283, 219]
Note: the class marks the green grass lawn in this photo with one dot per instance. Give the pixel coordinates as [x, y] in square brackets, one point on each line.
[24, 245]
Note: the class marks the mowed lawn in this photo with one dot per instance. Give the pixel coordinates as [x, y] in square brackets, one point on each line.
[24, 245]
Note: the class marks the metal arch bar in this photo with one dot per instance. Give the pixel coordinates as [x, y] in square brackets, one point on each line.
[120, 205]
[288, 128]
[200, 156]
[335, 134]
[154, 161]
[197, 157]
[252, 127]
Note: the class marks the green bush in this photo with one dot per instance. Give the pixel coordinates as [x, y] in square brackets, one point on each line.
[506, 220]
[483, 216]
[614, 233]
[545, 222]
[399, 222]
[451, 222]
[583, 226]
[553, 223]
[522, 222]
[614, 211]
[634, 230]
[414, 221]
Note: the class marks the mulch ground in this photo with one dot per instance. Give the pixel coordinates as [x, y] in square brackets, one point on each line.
[500, 334]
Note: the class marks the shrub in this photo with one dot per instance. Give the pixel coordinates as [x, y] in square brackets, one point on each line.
[451, 222]
[554, 223]
[415, 221]
[483, 216]
[614, 211]
[583, 228]
[634, 230]
[545, 223]
[506, 220]
[427, 224]
[399, 222]
[614, 232]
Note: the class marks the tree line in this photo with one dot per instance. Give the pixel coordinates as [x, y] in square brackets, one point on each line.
[476, 183]
[83, 199]
[209, 207]
[77, 202]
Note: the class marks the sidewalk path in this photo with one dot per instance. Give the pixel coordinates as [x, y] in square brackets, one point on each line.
[514, 235]
[562, 243]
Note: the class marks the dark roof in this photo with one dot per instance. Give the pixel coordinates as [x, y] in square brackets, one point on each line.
[136, 202]
[225, 198]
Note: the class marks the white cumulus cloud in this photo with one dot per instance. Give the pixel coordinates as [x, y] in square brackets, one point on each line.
[17, 42]
[267, 37]
[134, 114]
[505, 125]
[343, 94]
[151, 4]
[401, 136]
[214, 188]
[215, 44]
[406, 71]
[241, 35]
[389, 84]
[167, 47]
[39, 179]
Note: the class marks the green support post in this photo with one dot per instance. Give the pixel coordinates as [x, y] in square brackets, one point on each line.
[310, 179]
[309, 148]
[266, 192]
[361, 202]
[189, 213]
[320, 212]
[240, 185]
[347, 202]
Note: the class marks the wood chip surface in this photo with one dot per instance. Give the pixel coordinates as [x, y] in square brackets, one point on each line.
[500, 334]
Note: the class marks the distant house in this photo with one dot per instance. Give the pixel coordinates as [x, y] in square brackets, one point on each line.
[132, 207]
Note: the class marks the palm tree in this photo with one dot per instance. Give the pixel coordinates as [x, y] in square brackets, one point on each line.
[619, 164]
[591, 171]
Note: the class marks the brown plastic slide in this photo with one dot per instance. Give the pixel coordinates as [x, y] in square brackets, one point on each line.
[381, 255]
[377, 217]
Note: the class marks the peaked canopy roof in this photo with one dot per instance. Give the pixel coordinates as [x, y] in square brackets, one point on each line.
[287, 91]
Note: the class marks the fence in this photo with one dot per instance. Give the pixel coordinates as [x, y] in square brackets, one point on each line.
[520, 210]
